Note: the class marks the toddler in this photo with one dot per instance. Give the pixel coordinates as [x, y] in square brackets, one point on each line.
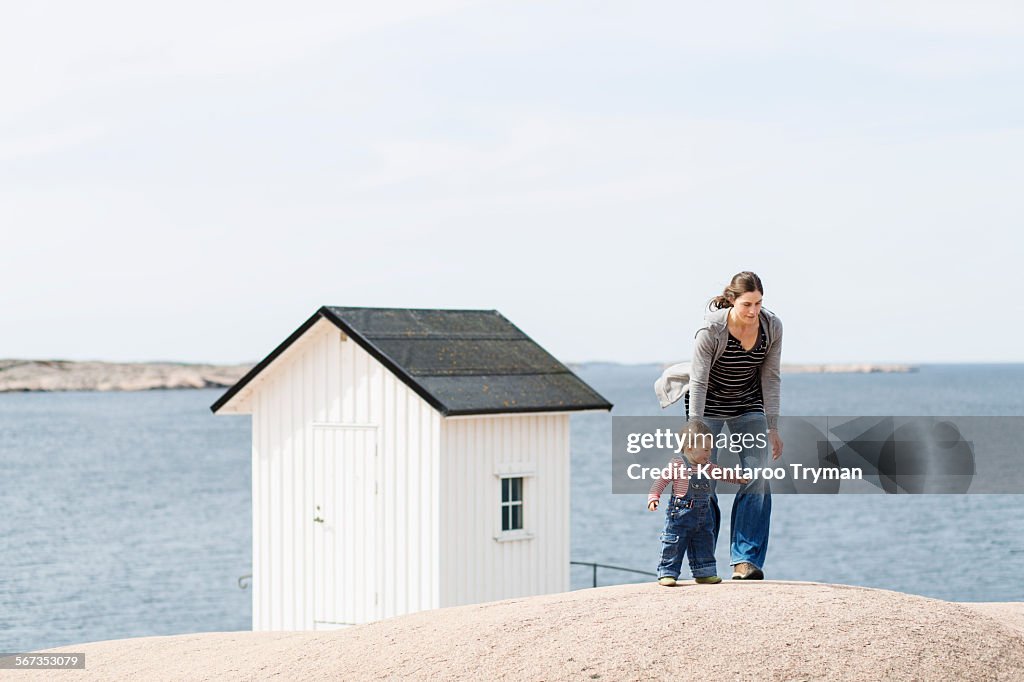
[689, 520]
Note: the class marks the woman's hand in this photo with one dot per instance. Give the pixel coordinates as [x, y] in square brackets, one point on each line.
[776, 444]
[652, 505]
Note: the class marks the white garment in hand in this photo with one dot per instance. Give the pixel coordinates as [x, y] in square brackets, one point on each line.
[673, 384]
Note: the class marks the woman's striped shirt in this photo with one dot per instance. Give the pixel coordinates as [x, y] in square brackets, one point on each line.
[734, 385]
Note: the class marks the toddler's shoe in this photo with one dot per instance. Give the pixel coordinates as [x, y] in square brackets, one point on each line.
[667, 581]
[708, 580]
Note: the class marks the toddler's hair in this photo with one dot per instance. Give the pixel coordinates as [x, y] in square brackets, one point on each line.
[695, 433]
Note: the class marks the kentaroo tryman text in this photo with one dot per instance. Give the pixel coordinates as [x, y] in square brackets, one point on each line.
[799, 471]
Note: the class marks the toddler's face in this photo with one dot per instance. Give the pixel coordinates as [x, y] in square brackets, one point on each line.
[698, 455]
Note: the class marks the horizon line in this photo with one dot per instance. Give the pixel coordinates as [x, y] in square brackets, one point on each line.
[567, 362]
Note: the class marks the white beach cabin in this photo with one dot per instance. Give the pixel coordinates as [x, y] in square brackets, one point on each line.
[405, 460]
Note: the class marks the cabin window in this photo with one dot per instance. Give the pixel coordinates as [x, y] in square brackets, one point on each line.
[512, 503]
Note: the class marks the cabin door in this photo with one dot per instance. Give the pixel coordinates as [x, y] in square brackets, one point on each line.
[346, 520]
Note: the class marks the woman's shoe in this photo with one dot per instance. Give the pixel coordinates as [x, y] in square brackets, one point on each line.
[667, 581]
[708, 580]
[746, 571]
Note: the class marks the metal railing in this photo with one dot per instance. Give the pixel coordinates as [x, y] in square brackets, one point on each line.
[243, 582]
[614, 568]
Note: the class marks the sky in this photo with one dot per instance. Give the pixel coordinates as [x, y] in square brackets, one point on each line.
[190, 181]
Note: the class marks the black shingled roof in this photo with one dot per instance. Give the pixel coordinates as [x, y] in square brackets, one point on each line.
[460, 361]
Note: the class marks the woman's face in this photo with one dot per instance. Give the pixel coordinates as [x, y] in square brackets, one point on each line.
[747, 306]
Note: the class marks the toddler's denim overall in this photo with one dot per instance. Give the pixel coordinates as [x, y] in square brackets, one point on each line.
[689, 529]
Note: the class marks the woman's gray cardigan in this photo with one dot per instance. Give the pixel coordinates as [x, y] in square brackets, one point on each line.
[710, 345]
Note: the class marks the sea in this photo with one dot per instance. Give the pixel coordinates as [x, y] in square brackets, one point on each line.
[129, 514]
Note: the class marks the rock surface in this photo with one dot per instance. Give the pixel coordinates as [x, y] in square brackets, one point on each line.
[733, 631]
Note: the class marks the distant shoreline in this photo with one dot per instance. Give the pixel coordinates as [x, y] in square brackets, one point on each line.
[848, 368]
[70, 375]
[805, 368]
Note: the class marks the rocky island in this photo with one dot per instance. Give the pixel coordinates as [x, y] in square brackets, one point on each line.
[67, 375]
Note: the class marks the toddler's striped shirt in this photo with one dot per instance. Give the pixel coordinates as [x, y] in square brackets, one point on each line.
[681, 472]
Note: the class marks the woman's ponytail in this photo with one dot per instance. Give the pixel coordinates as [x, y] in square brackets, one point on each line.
[719, 302]
[741, 283]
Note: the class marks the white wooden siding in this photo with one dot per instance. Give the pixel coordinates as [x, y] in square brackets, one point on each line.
[325, 379]
[476, 567]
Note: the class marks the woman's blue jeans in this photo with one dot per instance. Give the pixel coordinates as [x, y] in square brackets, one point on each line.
[752, 508]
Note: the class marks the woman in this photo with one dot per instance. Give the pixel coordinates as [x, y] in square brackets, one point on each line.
[734, 382]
